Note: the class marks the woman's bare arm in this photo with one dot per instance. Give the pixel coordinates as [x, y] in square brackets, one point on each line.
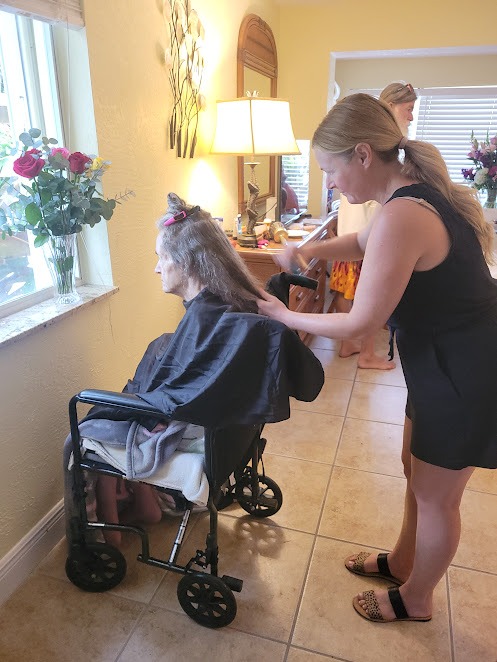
[403, 234]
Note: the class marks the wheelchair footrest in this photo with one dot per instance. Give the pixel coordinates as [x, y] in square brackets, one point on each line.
[233, 583]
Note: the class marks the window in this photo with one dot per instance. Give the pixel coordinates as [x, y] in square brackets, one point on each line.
[295, 172]
[28, 98]
[446, 117]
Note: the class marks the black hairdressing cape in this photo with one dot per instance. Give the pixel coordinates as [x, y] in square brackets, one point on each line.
[221, 368]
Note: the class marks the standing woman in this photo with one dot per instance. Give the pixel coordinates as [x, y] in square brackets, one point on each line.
[425, 270]
[400, 97]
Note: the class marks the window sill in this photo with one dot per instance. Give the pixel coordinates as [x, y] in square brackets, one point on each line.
[27, 321]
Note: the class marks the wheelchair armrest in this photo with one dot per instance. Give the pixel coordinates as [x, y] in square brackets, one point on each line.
[114, 399]
[302, 281]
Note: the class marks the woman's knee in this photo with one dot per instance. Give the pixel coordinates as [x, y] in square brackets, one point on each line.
[437, 487]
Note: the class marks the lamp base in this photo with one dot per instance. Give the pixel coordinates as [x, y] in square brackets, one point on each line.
[247, 240]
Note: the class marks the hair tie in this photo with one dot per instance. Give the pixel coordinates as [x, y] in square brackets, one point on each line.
[403, 142]
[180, 216]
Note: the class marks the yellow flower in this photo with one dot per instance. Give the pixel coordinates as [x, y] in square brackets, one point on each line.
[97, 163]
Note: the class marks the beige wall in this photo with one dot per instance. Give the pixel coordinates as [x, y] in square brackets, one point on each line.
[310, 32]
[99, 345]
[444, 71]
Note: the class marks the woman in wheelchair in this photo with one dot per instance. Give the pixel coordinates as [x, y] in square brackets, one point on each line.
[195, 259]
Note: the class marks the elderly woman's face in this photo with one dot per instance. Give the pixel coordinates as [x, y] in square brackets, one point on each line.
[172, 277]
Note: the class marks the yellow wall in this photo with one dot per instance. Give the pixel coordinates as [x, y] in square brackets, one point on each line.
[100, 345]
[308, 33]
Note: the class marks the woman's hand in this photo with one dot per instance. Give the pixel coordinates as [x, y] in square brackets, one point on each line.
[287, 258]
[271, 306]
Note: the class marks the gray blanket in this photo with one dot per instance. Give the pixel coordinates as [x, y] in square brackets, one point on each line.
[145, 451]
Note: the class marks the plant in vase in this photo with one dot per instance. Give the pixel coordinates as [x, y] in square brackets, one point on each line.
[483, 176]
[54, 196]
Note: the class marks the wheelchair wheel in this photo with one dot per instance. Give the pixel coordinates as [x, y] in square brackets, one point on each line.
[266, 503]
[96, 567]
[207, 600]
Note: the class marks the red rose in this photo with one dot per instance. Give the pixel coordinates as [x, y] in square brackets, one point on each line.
[78, 162]
[29, 164]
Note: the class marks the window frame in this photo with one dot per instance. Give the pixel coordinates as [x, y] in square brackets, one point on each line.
[33, 100]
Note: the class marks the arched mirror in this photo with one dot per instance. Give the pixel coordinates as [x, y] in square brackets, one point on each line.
[257, 70]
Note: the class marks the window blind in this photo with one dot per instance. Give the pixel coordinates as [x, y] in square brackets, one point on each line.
[446, 119]
[296, 169]
[69, 12]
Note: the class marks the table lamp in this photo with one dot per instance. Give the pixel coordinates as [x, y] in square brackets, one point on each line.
[253, 126]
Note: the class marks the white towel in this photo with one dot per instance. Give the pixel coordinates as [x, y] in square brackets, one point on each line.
[183, 471]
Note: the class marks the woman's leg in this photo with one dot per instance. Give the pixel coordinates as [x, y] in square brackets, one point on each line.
[144, 506]
[401, 559]
[106, 493]
[438, 494]
[347, 347]
[369, 359]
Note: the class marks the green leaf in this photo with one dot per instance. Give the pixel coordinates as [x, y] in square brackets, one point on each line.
[40, 240]
[45, 195]
[108, 209]
[67, 265]
[26, 139]
[52, 141]
[33, 213]
[45, 177]
[34, 133]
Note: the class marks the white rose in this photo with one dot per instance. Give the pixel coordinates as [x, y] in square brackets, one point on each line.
[481, 176]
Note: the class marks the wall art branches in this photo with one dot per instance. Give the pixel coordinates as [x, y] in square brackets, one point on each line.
[185, 63]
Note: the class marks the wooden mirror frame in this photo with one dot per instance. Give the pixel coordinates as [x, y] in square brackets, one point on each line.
[256, 51]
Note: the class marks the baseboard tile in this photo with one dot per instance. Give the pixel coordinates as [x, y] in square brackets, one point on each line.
[21, 561]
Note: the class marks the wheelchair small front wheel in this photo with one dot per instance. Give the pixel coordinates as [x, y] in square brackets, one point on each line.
[264, 504]
[207, 600]
[95, 567]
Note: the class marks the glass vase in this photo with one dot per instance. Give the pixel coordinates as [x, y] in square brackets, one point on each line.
[490, 202]
[60, 256]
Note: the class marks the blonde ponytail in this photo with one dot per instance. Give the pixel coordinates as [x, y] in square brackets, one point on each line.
[362, 118]
[424, 163]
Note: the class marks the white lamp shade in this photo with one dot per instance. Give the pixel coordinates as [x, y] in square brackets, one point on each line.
[254, 125]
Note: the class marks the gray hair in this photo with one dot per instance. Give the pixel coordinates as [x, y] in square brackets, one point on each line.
[199, 247]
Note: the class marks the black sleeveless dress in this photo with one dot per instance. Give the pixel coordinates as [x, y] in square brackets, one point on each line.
[446, 330]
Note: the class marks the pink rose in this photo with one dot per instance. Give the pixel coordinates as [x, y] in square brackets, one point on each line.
[60, 150]
[78, 162]
[29, 164]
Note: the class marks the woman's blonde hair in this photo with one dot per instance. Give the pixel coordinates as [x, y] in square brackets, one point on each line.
[360, 118]
[398, 93]
[200, 248]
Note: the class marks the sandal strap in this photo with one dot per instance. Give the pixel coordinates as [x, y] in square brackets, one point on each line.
[359, 561]
[397, 603]
[372, 606]
[382, 562]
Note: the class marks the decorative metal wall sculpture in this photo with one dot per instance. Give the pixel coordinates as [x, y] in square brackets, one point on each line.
[185, 63]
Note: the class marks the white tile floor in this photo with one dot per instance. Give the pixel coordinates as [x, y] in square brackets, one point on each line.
[337, 463]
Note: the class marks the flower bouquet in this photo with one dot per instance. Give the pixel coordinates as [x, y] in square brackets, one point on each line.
[54, 196]
[484, 173]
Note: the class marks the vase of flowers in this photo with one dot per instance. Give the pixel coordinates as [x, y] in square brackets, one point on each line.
[54, 195]
[483, 175]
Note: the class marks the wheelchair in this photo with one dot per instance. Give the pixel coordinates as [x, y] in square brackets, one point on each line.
[235, 472]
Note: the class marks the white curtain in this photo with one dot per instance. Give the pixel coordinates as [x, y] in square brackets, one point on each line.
[69, 12]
